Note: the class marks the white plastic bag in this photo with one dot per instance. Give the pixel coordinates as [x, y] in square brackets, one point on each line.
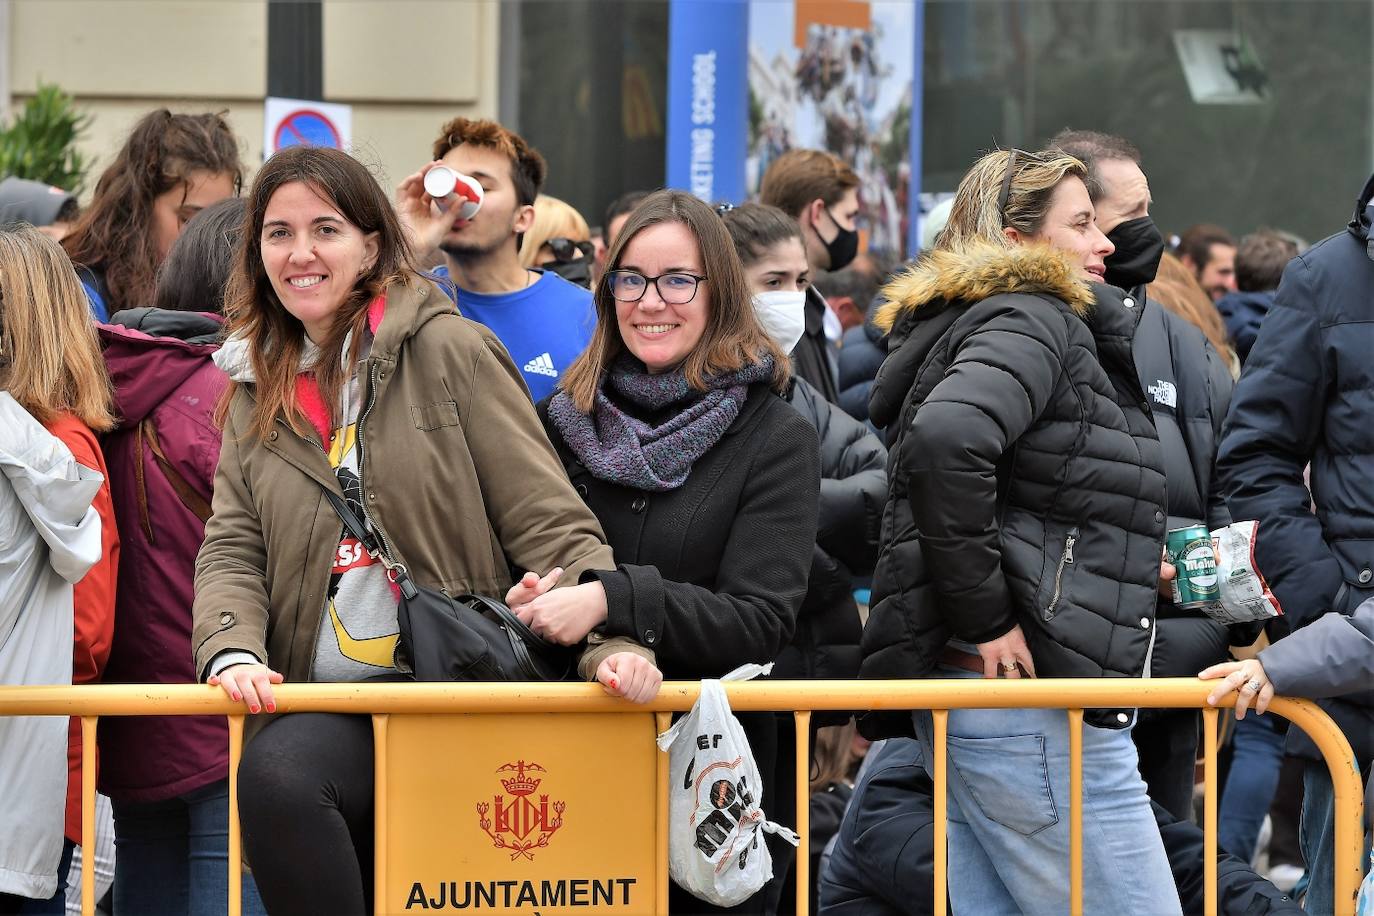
[715, 825]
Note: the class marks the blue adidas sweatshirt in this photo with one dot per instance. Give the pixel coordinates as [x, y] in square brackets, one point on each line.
[544, 326]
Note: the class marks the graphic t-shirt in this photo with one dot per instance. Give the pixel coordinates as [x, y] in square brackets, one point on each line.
[544, 327]
[359, 629]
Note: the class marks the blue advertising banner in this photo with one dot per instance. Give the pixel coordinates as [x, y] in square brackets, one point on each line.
[708, 94]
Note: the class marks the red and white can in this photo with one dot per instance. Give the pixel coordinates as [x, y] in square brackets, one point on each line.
[449, 187]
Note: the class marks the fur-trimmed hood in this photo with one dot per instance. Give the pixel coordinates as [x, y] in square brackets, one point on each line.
[980, 271]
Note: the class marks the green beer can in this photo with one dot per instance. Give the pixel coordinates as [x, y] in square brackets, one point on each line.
[1191, 553]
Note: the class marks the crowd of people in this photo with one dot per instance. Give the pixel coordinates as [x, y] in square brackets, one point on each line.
[240, 425]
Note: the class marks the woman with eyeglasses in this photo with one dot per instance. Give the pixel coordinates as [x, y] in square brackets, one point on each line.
[1023, 534]
[706, 482]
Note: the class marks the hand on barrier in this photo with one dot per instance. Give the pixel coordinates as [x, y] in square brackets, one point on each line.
[1248, 679]
[425, 224]
[630, 675]
[565, 615]
[250, 684]
[1007, 656]
[531, 586]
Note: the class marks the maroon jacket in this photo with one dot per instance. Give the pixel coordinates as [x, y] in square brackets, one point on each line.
[167, 379]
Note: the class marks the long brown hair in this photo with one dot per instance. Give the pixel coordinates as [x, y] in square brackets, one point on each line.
[115, 233]
[1175, 288]
[276, 338]
[733, 337]
[49, 355]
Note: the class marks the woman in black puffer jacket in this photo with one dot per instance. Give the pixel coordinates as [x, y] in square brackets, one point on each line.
[1023, 532]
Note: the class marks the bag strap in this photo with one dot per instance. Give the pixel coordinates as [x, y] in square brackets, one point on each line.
[355, 526]
[193, 501]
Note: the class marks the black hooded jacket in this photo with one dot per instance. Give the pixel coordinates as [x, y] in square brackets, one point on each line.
[1026, 477]
[1189, 389]
[1307, 398]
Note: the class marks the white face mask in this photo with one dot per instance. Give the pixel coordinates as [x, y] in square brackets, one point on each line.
[783, 315]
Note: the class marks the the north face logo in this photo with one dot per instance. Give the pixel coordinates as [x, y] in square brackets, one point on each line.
[1164, 393]
[542, 365]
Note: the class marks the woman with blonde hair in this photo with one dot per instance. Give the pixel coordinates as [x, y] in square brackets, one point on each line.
[1023, 533]
[56, 611]
[558, 240]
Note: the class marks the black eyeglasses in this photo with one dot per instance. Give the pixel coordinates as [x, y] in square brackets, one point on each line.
[677, 288]
[565, 249]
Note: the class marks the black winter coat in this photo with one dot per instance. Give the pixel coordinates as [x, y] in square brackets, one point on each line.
[1307, 397]
[1002, 369]
[853, 491]
[884, 858]
[711, 575]
[813, 358]
[862, 351]
[1189, 390]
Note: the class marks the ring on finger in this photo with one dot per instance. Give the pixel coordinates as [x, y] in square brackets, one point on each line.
[1253, 685]
[1008, 666]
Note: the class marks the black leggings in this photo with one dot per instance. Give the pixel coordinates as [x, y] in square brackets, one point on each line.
[305, 802]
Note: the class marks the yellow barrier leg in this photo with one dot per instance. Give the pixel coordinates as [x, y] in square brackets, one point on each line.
[235, 837]
[1209, 811]
[1076, 812]
[941, 717]
[662, 722]
[88, 724]
[803, 727]
[379, 813]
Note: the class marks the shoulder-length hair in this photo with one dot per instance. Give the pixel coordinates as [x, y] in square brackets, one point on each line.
[276, 338]
[1005, 188]
[115, 233]
[49, 356]
[733, 337]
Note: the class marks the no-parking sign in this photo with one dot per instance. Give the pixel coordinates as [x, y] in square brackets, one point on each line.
[295, 122]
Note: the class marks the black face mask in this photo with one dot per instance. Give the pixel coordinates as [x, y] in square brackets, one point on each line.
[1139, 248]
[843, 247]
[578, 272]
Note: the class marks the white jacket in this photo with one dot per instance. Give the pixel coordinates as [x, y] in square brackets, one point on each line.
[49, 538]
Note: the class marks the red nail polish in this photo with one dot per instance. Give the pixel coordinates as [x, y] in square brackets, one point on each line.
[238, 697]
[272, 707]
[253, 708]
[615, 685]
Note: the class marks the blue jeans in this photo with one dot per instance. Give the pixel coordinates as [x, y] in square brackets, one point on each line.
[1009, 803]
[1250, 784]
[172, 859]
[1316, 835]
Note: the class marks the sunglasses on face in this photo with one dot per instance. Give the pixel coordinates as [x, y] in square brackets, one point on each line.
[568, 250]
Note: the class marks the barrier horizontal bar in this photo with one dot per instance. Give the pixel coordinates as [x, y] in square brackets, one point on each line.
[675, 696]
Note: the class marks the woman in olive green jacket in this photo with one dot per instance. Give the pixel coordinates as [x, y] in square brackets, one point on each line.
[351, 372]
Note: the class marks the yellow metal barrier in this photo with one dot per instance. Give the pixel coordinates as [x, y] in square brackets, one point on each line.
[385, 701]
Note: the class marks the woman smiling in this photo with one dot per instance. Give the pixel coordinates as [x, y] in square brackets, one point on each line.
[706, 482]
[351, 373]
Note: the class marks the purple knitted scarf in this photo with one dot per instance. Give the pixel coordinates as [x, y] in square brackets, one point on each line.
[619, 448]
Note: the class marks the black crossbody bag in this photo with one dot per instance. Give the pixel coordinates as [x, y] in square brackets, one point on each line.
[462, 638]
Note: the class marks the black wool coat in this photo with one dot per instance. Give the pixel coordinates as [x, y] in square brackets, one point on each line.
[1026, 477]
[712, 575]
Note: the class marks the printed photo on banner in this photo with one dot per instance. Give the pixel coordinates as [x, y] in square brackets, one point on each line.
[837, 77]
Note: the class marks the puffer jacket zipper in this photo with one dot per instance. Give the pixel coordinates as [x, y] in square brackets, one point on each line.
[1065, 559]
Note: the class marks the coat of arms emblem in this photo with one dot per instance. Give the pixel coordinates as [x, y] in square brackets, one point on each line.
[520, 823]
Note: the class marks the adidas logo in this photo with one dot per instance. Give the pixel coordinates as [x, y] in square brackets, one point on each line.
[542, 365]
